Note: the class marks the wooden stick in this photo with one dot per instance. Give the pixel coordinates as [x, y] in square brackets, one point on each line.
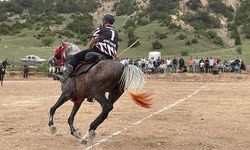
[129, 47]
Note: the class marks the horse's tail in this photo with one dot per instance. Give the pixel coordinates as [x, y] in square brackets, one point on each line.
[132, 80]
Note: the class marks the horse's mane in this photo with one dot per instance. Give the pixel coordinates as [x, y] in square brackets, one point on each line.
[73, 49]
[73, 46]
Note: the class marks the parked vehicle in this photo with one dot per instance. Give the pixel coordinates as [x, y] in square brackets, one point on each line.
[33, 58]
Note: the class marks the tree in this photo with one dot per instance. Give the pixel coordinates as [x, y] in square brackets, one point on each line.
[237, 40]
[194, 4]
[47, 41]
[132, 38]
[156, 45]
[125, 7]
[82, 24]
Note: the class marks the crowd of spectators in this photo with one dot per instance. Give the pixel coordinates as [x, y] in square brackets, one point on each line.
[192, 65]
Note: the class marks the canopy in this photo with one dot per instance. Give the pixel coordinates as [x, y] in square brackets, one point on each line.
[154, 55]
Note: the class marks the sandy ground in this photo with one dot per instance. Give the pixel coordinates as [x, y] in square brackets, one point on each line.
[189, 112]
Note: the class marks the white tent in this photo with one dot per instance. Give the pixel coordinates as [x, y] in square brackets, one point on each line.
[154, 55]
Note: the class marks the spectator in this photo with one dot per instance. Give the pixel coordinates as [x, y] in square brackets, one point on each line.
[207, 65]
[202, 66]
[174, 65]
[183, 70]
[243, 67]
[191, 63]
[211, 64]
[226, 66]
[220, 66]
[26, 71]
[161, 68]
[151, 67]
[168, 64]
[181, 63]
[143, 64]
[237, 61]
[197, 65]
[215, 69]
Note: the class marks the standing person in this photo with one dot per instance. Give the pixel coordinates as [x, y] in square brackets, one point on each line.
[197, 65]
[174, 65]
[181, 63]
[168, 64]
[26, 71]
[207, 65]
[211, 64]
[243, 67]
[104, 43]
[202, 66]
[191, 63]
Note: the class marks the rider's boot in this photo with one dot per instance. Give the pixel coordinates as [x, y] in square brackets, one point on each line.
[66, 74]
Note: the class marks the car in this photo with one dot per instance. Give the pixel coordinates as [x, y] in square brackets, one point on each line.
[33, 58]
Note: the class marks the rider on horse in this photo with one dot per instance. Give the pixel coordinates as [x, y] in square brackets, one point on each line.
[103, 45]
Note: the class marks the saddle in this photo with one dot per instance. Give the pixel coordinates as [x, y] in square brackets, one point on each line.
[91, 59]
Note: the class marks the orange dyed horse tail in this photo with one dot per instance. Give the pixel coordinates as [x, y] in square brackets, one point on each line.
[132, 80]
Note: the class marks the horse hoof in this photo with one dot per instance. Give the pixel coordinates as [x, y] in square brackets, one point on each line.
[91, 134]
[83, 141]
[77, 135]
[89, 137]
[53, 129]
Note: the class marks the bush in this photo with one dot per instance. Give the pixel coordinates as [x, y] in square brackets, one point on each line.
[160, 35]
[239, 50]
[47, 41]
[188, 42]
[218, 40]
[156, 45]
[129, 24]
[143, 21]
[194, 41]
[181, 36]
[184, 53]
[42, 67]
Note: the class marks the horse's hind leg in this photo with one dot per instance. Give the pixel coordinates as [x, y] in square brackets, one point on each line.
[107, 106]
[115, 94]
[73, 131]
[62, 99]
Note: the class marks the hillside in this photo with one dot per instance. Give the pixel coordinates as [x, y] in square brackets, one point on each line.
[193, 27]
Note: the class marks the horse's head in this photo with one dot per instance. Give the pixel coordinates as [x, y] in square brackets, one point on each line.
[70, 49]
[6, 62]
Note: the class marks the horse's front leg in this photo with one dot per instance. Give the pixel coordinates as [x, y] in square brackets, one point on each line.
[107, 106]
[62, 99]
[1, 78]
[73, 131]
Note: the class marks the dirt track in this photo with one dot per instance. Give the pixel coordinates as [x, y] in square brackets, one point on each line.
[214, 117]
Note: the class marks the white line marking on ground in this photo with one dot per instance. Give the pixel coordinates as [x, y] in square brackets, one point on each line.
[31, 101]
[149, 116]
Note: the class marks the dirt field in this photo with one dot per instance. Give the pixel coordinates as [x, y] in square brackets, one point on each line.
[189, 112]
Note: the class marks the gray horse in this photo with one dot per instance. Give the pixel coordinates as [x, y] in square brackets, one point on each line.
[107, 76]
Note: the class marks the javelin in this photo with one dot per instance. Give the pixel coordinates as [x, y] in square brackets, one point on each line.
[129, 47]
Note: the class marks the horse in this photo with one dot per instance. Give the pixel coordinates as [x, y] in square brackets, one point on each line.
[3, 67]
[58, 62]
[107, 76]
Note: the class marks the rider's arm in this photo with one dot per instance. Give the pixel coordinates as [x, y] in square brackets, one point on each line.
[116, 57]
[92, 42]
